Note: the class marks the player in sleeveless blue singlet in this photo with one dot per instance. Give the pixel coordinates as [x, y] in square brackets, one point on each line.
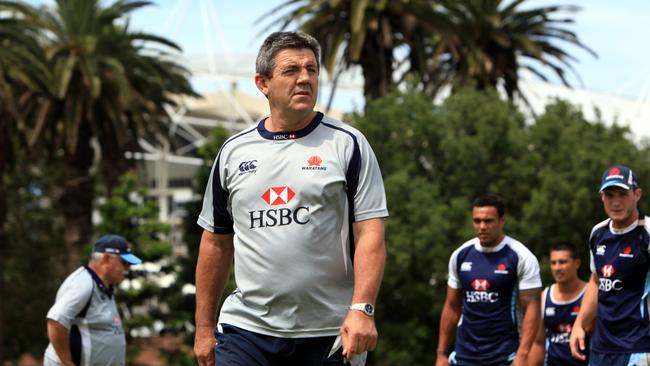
[560, 306]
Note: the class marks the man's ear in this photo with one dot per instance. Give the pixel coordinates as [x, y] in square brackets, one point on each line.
[262, 84]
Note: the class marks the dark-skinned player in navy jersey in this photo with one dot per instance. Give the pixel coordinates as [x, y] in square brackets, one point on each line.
[487, 275]
[560, 306]
[617, 294]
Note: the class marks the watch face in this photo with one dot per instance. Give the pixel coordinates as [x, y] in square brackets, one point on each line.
[369, 309]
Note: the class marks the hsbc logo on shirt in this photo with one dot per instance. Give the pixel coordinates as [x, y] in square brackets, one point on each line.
[281, 216]
[480, 285]
[481, 293]
[563, 333]
[278, 195]
[608, 284]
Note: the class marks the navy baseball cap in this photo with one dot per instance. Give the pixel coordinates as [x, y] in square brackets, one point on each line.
[619, 176]
[116, 244]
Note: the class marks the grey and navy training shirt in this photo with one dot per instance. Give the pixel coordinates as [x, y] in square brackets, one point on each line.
[102, 336]
[290, 199]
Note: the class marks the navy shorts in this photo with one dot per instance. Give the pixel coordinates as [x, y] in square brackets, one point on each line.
[498, 360]
[618, 359]
[239, 347]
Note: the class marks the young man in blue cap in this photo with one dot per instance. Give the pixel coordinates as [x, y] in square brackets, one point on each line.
[83, 325]
[617, 294]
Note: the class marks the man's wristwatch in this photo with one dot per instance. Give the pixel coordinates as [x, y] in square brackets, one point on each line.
[366, 308]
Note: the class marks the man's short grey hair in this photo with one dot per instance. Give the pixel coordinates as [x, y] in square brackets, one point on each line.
[96, 257]
[279, 41]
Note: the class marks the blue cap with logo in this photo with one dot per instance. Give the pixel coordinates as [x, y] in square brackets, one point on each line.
[115, 244]
[618, 176]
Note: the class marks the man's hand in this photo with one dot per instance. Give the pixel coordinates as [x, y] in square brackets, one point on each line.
[442, 360]
[204, 346]
[520, 360]
[577, 343]
[358, 334]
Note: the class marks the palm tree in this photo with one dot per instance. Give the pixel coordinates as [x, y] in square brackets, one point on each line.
[367, 32]
[23, 76]
[109, 87]
[497, 39]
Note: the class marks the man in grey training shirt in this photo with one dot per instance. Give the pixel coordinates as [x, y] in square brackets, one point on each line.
[83, 325]
[298, 202]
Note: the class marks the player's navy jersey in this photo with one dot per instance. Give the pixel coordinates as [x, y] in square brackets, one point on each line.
[291, 198]
[619, 257]
[559, 317]
[490, 279]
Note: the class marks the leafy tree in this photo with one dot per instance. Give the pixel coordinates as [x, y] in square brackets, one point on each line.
[128, 212]
[192, 232]
[436, 159]
[23, 76]
[110, 85]
[366, 33]
[497, 38]
[33, 255]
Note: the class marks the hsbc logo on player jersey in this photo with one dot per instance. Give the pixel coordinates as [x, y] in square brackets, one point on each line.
[563, 334]
[278, 195]
[285, 136]
[627, 253]
[481, 294]
[607, 284]
[501, 269]
[608, 270]
[283, 216]
[480, 285]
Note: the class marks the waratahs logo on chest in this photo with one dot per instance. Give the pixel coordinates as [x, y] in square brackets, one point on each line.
[481, 293]
[626, 253]
[278, 216]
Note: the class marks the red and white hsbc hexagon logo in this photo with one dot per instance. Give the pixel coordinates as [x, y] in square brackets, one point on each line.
[282, 216]
[278, 195]
[608, 270]
[481, 293]
[608, 284]
[480, 285]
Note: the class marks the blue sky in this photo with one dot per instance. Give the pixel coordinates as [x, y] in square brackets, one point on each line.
[614, 29]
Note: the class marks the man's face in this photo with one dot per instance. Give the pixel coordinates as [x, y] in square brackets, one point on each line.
[116, 269]
[488, 225]
[620, 204]
[293, 88]
[563, 267]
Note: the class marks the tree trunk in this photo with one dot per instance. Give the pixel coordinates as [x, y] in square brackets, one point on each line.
[77, 198]
[4, 237]
[377, 65]
[113, 166]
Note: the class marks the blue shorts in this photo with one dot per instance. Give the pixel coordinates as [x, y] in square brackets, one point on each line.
[618, 359]
[239, 347]
[499, 360]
